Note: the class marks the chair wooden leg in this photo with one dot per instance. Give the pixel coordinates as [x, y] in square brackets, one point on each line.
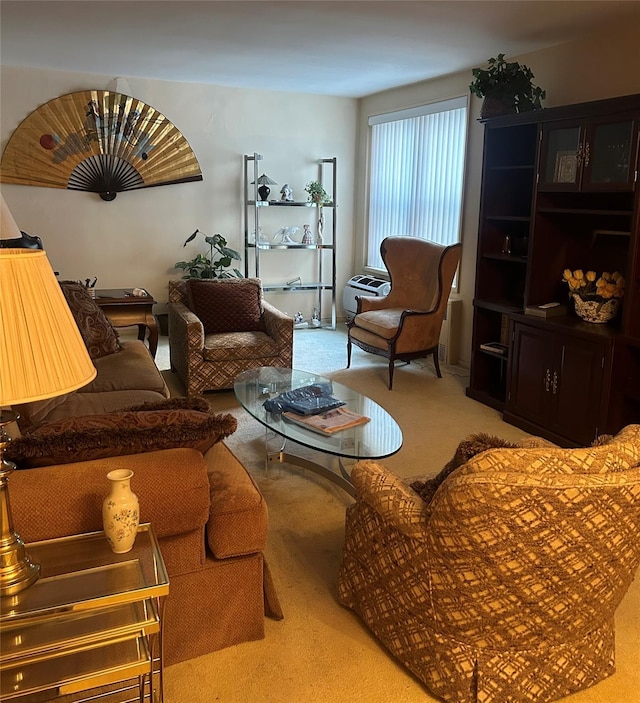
[348, 352]
[391, 368]
[436, 363]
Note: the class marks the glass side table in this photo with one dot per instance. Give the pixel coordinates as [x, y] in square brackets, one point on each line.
[93, 619]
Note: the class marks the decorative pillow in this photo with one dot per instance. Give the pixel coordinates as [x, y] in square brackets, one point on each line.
[199, 404]
[228, 305]
[476, 444]
[99, 335]
[119, 433]
[469, 447]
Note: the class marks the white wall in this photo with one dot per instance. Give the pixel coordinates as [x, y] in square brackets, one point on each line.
[603, 66]
[136, 239]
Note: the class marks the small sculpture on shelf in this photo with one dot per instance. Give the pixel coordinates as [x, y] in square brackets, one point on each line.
[299, 321]
[261, 239]
[287, 193]
[315, 318]
[285, 235]
[307, 237]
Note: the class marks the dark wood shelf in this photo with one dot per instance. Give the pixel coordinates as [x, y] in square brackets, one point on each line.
[486, 399]
[498, 305]
[565, 379]
[507, 257]
[516, 167]
[584, 211]
[494, 355]
[509, 218]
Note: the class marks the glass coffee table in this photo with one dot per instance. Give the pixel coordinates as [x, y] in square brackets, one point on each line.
[378, 438]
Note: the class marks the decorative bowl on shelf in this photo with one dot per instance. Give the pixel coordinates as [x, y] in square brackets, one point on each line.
[595, 298]
[595, 311]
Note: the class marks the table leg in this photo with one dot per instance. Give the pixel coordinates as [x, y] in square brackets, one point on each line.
[343, 481]
[153, 336]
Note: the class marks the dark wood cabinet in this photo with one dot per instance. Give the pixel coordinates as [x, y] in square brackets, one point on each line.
[556, 382]
[559, 190]
[588, 156]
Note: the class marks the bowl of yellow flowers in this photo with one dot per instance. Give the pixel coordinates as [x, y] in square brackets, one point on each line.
[596, 298]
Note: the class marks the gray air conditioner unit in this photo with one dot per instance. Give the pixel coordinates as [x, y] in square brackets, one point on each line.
[362, 285]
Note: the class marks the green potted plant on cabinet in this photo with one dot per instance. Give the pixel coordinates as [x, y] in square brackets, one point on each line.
[506, 87]
[203, 266]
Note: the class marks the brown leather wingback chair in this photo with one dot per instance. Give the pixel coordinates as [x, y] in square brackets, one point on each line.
[406, 323]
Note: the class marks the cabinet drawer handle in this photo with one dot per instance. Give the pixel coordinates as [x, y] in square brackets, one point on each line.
[554, 383]
[547, 380]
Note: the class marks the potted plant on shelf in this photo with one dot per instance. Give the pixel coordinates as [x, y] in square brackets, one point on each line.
[318, 195]
[596, 298]
[203, 266]
[506, 87]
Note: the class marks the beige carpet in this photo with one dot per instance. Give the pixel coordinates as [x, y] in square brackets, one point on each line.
[321, 652]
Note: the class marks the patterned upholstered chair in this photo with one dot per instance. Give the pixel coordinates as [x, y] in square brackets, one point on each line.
[406, 323]
[503, 587]
[218, 328]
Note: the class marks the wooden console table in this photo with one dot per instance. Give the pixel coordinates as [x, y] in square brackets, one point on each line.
[126, 310]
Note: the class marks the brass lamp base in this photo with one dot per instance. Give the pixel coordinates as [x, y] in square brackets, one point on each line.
[17, 571]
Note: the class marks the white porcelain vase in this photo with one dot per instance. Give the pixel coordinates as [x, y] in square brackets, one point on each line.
[121, 512]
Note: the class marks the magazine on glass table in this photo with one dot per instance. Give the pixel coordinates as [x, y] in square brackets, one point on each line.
[329, 422]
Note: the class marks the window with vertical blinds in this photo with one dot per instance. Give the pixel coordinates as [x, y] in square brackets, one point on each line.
[416, 174]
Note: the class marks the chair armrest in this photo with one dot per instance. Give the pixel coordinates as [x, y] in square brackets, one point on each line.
[183, 323]
[366, 303]
[186, 339]
[397, 504]
[278, 324]
[419, 330]
[54, 501]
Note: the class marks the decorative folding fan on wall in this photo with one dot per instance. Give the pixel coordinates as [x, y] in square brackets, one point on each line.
[97, 141]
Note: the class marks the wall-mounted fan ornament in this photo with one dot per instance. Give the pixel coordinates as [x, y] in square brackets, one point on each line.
[97, 141]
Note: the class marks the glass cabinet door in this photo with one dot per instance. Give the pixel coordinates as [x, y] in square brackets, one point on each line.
[561, 152]
[609, 156]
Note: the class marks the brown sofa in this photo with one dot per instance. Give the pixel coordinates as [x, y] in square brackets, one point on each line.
[209, 516]
[125, 378]
[211, 521]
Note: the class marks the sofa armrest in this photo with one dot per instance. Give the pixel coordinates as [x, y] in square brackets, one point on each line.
[279, 326]
[54, 501]
[397, 505]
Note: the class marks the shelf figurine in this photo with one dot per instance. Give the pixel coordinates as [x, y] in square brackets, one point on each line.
[287, 193]
[315, 318]
[285, 235]
[307, 237]
[299, 321]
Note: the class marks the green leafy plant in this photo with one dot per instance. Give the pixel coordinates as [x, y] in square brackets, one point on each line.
[203, 266]
[317, 194]
[507, 81]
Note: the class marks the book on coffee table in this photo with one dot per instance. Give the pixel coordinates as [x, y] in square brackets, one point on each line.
[328, 422]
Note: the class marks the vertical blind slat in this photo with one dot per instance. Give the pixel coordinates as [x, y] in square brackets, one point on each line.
[417, 167]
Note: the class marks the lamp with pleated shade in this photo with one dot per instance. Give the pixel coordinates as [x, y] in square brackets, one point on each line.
[42, 355]
[264, 182]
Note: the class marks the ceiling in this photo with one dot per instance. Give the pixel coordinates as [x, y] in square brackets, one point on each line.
[333, 47]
